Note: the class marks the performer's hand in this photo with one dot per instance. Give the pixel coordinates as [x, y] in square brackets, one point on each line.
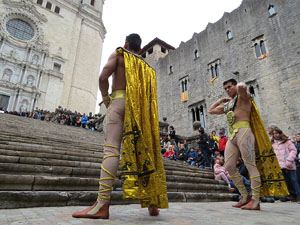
[223, 100]
[106, 101]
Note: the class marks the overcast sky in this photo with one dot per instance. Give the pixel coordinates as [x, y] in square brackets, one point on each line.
[172, 21]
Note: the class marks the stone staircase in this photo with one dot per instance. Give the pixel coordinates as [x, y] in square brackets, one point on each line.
[47, 164]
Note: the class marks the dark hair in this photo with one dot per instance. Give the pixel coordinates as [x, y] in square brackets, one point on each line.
[201, 129]
[172, 127]
[233, 81]
[283, 137]
[134, 41]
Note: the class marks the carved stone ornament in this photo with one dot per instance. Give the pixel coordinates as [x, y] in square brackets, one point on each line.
[27, 6]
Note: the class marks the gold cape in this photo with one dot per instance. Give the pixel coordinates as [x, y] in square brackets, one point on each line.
[272, 180]
[142, 170]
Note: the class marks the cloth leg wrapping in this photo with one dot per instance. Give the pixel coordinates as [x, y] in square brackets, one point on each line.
[245, 141]
[113, 127]
[232, 154]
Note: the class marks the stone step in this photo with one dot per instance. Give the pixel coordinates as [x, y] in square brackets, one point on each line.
[58, 171]
[42, 183]
[25, 199]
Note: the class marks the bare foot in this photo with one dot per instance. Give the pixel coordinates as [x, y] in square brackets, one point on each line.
[153, 211]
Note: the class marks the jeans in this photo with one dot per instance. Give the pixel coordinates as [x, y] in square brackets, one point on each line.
[290, 178]
[192, 162]
[298, 174]
[206, 157]
[201, 166]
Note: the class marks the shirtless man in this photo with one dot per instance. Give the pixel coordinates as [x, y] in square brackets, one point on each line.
[241, 140]
[113, 127]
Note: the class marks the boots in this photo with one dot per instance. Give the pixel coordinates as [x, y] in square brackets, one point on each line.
[240, 204]
[102, 213]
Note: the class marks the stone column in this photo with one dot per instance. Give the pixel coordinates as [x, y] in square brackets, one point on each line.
[18, 101]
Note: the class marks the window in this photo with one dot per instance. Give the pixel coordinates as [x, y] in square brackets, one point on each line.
[163, 50]
[150, 51]
[20, 29]
[197, 112]
[93, 2]
[196, 54]
[7, 74]
[229, 35]
[40, 2]
[260, 49]
[184, 92]
[216, 70]
[56, 67]
[57, 9]
[271, 10]
[212, 72]
[170, 69]
[49, 5]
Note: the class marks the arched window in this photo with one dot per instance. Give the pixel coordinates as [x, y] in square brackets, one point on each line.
[30, 80]
[251, 90]
[185, 85]
[7, 73]
[197, 114]
[212, 71]
[257, 50]
[229, 35]
[171, 69]
[272, 10]
[193, 114]
[262, 48]
[182, 85]
[202, 118]
[93, 2]
[40, 2]
[196, 54]
[216, 70]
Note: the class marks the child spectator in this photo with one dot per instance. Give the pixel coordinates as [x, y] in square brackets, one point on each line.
[181, 152]
[200, 161]
[286, 152]
[215, 137]
[170, 153]
[221, 173]
[192, 156]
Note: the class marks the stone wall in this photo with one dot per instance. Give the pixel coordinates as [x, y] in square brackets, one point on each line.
[274, 76]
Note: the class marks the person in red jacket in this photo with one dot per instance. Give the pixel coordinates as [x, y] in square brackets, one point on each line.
[222, 142]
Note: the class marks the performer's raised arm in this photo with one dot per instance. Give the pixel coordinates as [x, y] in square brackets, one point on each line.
[218, 107]
[242, 91]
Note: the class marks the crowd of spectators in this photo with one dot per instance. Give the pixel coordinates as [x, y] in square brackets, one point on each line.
[208, 152]
[61, 116]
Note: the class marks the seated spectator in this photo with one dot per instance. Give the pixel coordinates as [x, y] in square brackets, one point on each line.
[166, 145]
[84, 120]
[221, 173]
[286, 152]
[187, 150]
[192, 156]
[200, 161]
[170, 153]
[181, 152]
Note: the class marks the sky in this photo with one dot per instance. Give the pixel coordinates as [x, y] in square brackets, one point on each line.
[172, 21]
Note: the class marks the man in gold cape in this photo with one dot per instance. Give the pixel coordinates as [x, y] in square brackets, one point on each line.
[249, 140]
[131, 115]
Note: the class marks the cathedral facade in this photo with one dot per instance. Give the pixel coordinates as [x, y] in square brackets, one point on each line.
[257, 43]
[50, 54]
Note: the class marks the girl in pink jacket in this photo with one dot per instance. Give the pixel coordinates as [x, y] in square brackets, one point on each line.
[221, 173]
[286, 152]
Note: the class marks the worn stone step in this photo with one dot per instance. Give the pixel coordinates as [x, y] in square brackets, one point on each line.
[42, 183]
[25, 199]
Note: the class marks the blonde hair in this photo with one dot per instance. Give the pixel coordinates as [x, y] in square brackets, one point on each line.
[221, 160]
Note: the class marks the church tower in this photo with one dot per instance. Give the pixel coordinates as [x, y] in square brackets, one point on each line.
[50, 54]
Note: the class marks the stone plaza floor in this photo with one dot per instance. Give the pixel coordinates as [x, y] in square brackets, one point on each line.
[217, 213]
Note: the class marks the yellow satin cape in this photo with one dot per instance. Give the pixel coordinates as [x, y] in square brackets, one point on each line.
[142, 170]
[272, 180]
